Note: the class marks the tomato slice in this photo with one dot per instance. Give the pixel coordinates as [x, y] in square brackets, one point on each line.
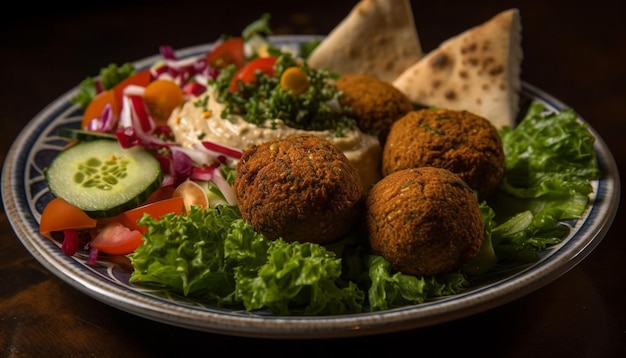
[155, 209]
[60, 215]
[117, 239]
[162, 193]
[226, 53]
[247, 74]
[141, 78]
[96, 107]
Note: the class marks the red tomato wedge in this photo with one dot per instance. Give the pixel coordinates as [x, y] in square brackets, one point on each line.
[226, 53]
[155, 209]
[117, 239]
[141, 78]
[162, 193]
[247, 74]
[60, 215]
[96, 106]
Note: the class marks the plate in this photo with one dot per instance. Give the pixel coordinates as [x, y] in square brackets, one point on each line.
[25, 194]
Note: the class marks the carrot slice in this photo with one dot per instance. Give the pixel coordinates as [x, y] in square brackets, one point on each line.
[155, 209]
[60, 215]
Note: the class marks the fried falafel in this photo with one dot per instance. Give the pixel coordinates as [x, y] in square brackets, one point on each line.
[375, 104]
[462, 142]
[298, 188]
[424, 221]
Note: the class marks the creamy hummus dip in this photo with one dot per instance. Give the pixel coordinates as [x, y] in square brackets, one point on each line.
[192, 123]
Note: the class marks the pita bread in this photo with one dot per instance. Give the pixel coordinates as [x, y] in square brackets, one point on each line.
[477, 71]
[378, 38]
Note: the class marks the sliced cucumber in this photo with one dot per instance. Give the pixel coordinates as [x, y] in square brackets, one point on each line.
[102, 178]
[81, 134]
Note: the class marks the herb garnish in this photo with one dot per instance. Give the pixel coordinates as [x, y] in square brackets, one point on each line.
[265, 100]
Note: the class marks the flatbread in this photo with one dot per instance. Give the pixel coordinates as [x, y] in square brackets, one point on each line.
[477, 71]
[377, 38]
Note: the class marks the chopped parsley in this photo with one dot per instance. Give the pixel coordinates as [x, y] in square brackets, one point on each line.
[263, 100]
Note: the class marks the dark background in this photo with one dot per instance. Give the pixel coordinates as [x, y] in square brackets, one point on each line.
[574, 51]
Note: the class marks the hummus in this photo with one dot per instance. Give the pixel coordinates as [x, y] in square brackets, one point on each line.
[192, 123]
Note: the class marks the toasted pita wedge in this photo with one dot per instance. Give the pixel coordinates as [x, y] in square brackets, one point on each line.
[377, 38]
[477, 71]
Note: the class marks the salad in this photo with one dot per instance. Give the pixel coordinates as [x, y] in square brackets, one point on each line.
[171, 210]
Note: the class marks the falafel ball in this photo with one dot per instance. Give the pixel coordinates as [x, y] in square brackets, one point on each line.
[462, 142]
[375, 104]
[298, 188]
[424, 221]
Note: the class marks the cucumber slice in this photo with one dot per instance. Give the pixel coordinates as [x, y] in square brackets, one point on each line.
[81, 134]
[102, 178]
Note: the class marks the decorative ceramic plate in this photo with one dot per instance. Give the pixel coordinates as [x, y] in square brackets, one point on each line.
[25, 194]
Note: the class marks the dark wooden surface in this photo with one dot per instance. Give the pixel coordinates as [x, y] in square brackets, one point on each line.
[575, 51]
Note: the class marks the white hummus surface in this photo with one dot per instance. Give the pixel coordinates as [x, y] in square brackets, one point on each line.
[193, 123]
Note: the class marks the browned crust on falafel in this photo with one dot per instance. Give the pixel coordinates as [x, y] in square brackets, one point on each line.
[375, 104]
[462, 142]
[299, 188]
[424, 221]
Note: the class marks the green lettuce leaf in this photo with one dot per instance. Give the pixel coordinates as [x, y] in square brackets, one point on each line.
[185, 254]
[550, 162]
[397, 289]
[214, 256]
[549, 156]
[298, 277]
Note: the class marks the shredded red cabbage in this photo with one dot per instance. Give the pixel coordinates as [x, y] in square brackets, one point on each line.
[93, 256]
[194, 89]
[223, 149]
[204, 173]
[135, 127]
[182, 166]
[167, 52]
[70, 243]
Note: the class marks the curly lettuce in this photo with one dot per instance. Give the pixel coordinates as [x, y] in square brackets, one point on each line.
[393, 289]
[550, 156]
[550, 163]
[213, 255]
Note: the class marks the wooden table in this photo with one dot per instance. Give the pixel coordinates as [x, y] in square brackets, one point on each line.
[574, 51]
